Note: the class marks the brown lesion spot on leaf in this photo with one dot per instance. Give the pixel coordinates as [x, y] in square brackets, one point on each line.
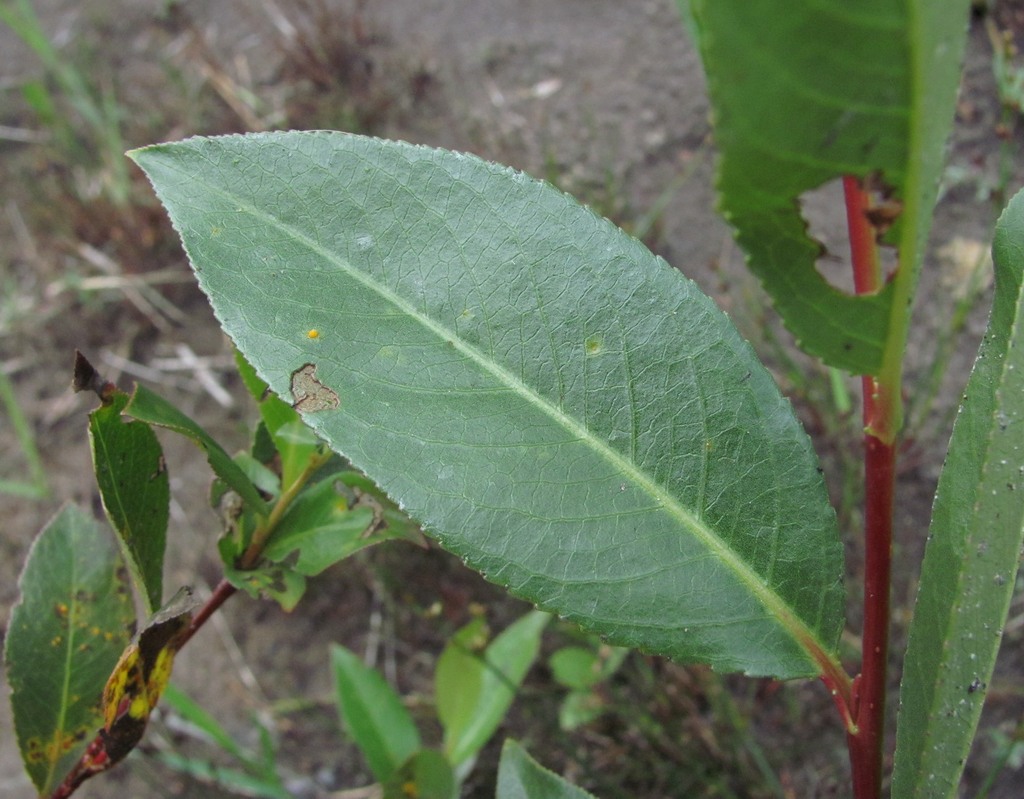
[310, 394]
[884, 207]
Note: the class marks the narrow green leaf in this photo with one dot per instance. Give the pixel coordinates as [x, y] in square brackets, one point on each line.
[974, 546]
[154, 409]
[373, 714]
[294, 441]
[37, 486]
[66, 633]
[19, 488]
[132, 480]
[238, 782]
[199, 717]
[807, 91]
[458, 675]
[521, 777]
[483, 702]
[555, 404]
[259, 475]
[319, 530]
[256, 387]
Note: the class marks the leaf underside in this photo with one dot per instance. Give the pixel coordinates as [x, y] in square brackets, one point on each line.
[555, 404]
[974, 546]
[822, 90]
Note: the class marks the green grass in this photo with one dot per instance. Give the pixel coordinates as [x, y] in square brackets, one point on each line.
[37, 486]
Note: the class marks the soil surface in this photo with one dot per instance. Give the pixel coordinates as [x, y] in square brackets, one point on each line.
[607, 99]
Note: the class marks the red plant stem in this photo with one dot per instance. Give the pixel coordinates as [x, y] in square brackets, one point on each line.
[866, 744]
[865, 740]
[220, 595]
[867, 274]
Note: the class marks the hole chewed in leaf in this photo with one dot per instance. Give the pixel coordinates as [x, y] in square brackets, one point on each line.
[309, 393]
[824, 210]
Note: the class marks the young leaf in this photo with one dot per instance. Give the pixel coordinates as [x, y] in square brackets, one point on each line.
[395, 520]
[374, 714]
[65, 635]
[813, 91]
[555, 404]
[576, 667]
[521, 777]
[132, 479]
[154, 409]
[278, 581]
[582, 670]
[319, 529]
[579, 707]
[478, 704]
[259, 475]
[294, 441]
[974, 546]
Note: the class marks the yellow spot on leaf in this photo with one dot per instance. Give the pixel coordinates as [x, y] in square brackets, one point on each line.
[140, 706]
[160, 676]
[314, 333]
[54, 749]
[128, 670]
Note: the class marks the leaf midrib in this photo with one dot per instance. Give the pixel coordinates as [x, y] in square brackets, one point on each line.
[778, 608]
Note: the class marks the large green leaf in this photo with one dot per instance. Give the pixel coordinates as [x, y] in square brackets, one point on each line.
[974, 546]
[806, 91]
[132, 479]
[65, 635]
[554, 403]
